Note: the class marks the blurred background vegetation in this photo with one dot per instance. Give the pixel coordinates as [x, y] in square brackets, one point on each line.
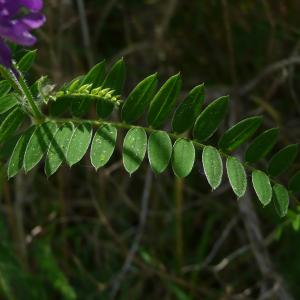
[105, 235]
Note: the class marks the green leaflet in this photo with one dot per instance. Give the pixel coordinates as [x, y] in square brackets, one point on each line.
[296, 222]
[60, 106]
[95, 76]
[294, 183]
[5, 74]
[116, 77]
[183, 157]
[139, 99]
[27, 61]
[103, 145]
[164, 101]
[11, 123]
[159, 151]
[38, 86]
[178, 292]
[237, 176]
[16, 160]
[283, 159]
[281, 199]
[188, 111]
[7, 147]
[115, 81]
[56, 153]
[4, 87]
[209, 120]
[262, 186]
[262, 145]
[7, 102]
[239, 134]
[134, 149]
[104, 108]
[73, 85]
[213, 166]
[80, 105]
[38, 144]
[79, 143]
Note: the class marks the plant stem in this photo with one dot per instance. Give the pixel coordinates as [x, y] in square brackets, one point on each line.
[36, 112]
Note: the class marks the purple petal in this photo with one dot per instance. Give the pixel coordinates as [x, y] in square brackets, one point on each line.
[33, 20]
[17, 33]
[35, 5]
[5, 54]
[9, 9]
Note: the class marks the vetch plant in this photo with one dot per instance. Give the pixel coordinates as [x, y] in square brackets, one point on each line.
[40, 123]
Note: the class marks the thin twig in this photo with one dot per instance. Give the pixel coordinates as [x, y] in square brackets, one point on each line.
[258, 246]
[248, 87]
[214, 249]
[85, 32]
[137, 240]
[169, 13]
[105, 12]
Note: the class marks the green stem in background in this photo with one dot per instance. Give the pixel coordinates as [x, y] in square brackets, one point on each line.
[27, 93]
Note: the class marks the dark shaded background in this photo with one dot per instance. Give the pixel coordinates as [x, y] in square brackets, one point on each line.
[105, 235]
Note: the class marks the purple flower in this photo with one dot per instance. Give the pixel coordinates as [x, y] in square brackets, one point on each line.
[17, 19]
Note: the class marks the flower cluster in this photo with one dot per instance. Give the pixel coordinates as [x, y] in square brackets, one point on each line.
[17, 19]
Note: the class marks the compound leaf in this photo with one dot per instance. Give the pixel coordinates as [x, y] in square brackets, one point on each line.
[159, 151]
[209, 120]
[164, 101]
[183, 157]
[134, 149]
[213, 166]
